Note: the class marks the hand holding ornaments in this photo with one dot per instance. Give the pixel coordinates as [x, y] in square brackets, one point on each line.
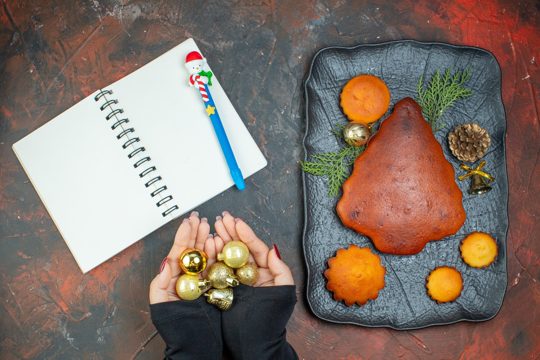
[202, 327]
[185, 272]
[217, 287]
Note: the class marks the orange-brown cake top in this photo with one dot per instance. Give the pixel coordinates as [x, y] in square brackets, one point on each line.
[444, 284]
[478, 249]
[364, 99]
[402, 192]
[355, 275]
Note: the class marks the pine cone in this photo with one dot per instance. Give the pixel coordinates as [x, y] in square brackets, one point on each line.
[469, 142]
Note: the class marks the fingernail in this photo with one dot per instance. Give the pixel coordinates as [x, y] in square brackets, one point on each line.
[210, 236]
[218, 218]
[163, 264]
[225, 213]
[185, 220]
[194, 213]
[204, 220]
[237, 220]
[277, 251]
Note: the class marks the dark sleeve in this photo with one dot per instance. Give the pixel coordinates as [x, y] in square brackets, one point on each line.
[190, 329]
[254, 327]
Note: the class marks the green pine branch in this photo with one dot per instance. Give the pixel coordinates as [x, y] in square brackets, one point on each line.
[335, 166]
[440, 93]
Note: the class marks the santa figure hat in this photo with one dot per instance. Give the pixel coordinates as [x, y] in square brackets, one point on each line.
[194, 55]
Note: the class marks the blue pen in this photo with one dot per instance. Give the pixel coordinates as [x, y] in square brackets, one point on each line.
[201, 79]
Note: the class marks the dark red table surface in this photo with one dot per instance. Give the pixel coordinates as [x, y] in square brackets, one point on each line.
[54, 53]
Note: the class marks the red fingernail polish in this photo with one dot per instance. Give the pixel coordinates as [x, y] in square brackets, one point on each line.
[277, 251]
[163, 264]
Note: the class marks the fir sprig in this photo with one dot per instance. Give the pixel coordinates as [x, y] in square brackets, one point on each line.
[441, 92]
[335, 166]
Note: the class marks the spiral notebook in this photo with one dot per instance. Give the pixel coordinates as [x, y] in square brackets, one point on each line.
[133, 156]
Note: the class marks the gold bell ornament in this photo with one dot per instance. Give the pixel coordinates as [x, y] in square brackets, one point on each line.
[221, 298]
[193, 261]
[235, 254]
[479, 185]
[356, 134]
[248, 274]
[480, 179]
[190, 287]
[221, 276]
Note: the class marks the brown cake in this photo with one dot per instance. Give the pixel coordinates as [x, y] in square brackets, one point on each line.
[355, 275]
[444, 284]
[478, 249]
[364, 99]
[402, 193]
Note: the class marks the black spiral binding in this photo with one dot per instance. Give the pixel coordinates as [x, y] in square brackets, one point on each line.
[131, 143]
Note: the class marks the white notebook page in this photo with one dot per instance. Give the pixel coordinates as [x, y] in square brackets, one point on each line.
[95, 196]
[87, 185]
[179, 134]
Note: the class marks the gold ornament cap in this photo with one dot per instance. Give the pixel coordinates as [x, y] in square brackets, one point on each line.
[190, 287]
[193, 261]
[356, 134]
[221, 276]
[248, 274]
[221, 298]
[234, 254]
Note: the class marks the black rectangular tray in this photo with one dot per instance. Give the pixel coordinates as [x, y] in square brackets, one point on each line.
[403, 303]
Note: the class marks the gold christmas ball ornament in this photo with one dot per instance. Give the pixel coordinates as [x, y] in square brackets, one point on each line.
[190, 287]
[221, 298]
[248, 274]
[234, 254]
[221, 276]
[193, 261]
[356, 134]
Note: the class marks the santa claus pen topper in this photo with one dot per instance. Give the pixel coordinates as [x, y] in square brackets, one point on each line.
[201, 79]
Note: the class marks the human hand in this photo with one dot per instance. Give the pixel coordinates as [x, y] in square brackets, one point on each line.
[273, 296]
[272, 270]
[192, 233]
